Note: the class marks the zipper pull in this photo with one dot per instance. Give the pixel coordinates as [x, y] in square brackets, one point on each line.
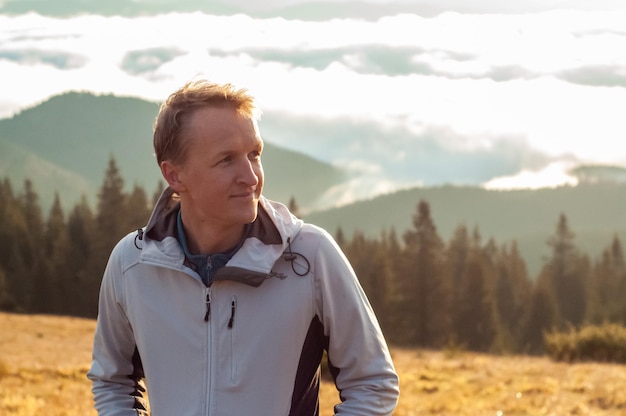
[233, 307]
[207, 301]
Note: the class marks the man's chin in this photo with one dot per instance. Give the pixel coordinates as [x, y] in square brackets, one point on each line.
[251, 215]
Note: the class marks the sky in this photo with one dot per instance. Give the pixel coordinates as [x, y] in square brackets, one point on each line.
[498, 95]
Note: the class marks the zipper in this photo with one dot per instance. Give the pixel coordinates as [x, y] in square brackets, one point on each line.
[233, 308]
[207, 302]
[209, 351]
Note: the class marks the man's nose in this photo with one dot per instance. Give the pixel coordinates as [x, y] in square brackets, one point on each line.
[248, 173]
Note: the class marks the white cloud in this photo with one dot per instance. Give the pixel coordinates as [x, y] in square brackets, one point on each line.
[482, 77]
[554, 175]
[360, 188]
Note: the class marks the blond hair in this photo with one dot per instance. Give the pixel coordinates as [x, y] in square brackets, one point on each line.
[176, 110]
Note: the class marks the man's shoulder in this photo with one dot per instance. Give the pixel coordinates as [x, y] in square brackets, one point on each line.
[313, 229]
[128, 248]
[316, 238]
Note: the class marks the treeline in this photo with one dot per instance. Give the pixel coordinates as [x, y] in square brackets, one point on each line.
[477, 295]
[54, 265]
[427, 292]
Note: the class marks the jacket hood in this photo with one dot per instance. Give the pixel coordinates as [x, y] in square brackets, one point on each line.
[266, 242]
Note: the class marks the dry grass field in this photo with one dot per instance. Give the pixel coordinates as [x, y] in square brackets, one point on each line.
[43, 361]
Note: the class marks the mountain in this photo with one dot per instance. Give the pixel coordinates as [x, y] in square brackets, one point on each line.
[48, 178]
[595, 213]
[64, 144]
[81, 131]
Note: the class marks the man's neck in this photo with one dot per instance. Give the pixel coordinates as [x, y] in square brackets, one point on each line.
[205, 238]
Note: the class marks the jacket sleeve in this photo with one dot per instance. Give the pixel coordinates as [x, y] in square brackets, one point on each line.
[116, 374]
[366, 378]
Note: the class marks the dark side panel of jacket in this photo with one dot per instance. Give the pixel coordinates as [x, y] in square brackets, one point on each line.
[305, 400]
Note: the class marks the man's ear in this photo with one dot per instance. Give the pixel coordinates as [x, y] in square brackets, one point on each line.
[170, 174]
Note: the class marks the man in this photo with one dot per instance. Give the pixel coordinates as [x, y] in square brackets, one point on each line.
[225, 301]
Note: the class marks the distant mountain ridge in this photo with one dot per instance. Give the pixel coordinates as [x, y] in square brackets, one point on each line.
[596, 212]
[64, 144]
[18, 164]
[81, 131]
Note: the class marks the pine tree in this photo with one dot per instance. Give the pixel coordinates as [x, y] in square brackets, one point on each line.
[474, 320]
[541, 317]
[6, 300]
[81, 227]
[457, 255]
[378, 276]
[393, 315]
[458, 251]
[608, 286]
[31, 248]
[111, 215]
[52, 289]
[512, 296]
[7, 210]
[84, 273]
[424, 288]
[565, 271]
[619, 264]
[12, 233]
[137, 209]
[110, 225]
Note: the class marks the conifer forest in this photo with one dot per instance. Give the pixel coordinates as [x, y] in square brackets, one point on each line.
[427, 292]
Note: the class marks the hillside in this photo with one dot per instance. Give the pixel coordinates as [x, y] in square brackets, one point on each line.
[73, 135]
[595, 213]
[44, 359]
[19, 165]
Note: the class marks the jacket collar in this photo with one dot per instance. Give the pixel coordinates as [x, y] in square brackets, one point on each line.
[266, 241]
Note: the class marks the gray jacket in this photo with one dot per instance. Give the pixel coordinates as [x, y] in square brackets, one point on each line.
[248, 344]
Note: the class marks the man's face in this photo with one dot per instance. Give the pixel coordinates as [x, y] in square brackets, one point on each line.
[221, 178]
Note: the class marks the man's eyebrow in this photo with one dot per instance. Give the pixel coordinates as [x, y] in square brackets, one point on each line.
[223, 153]
[228, 152]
